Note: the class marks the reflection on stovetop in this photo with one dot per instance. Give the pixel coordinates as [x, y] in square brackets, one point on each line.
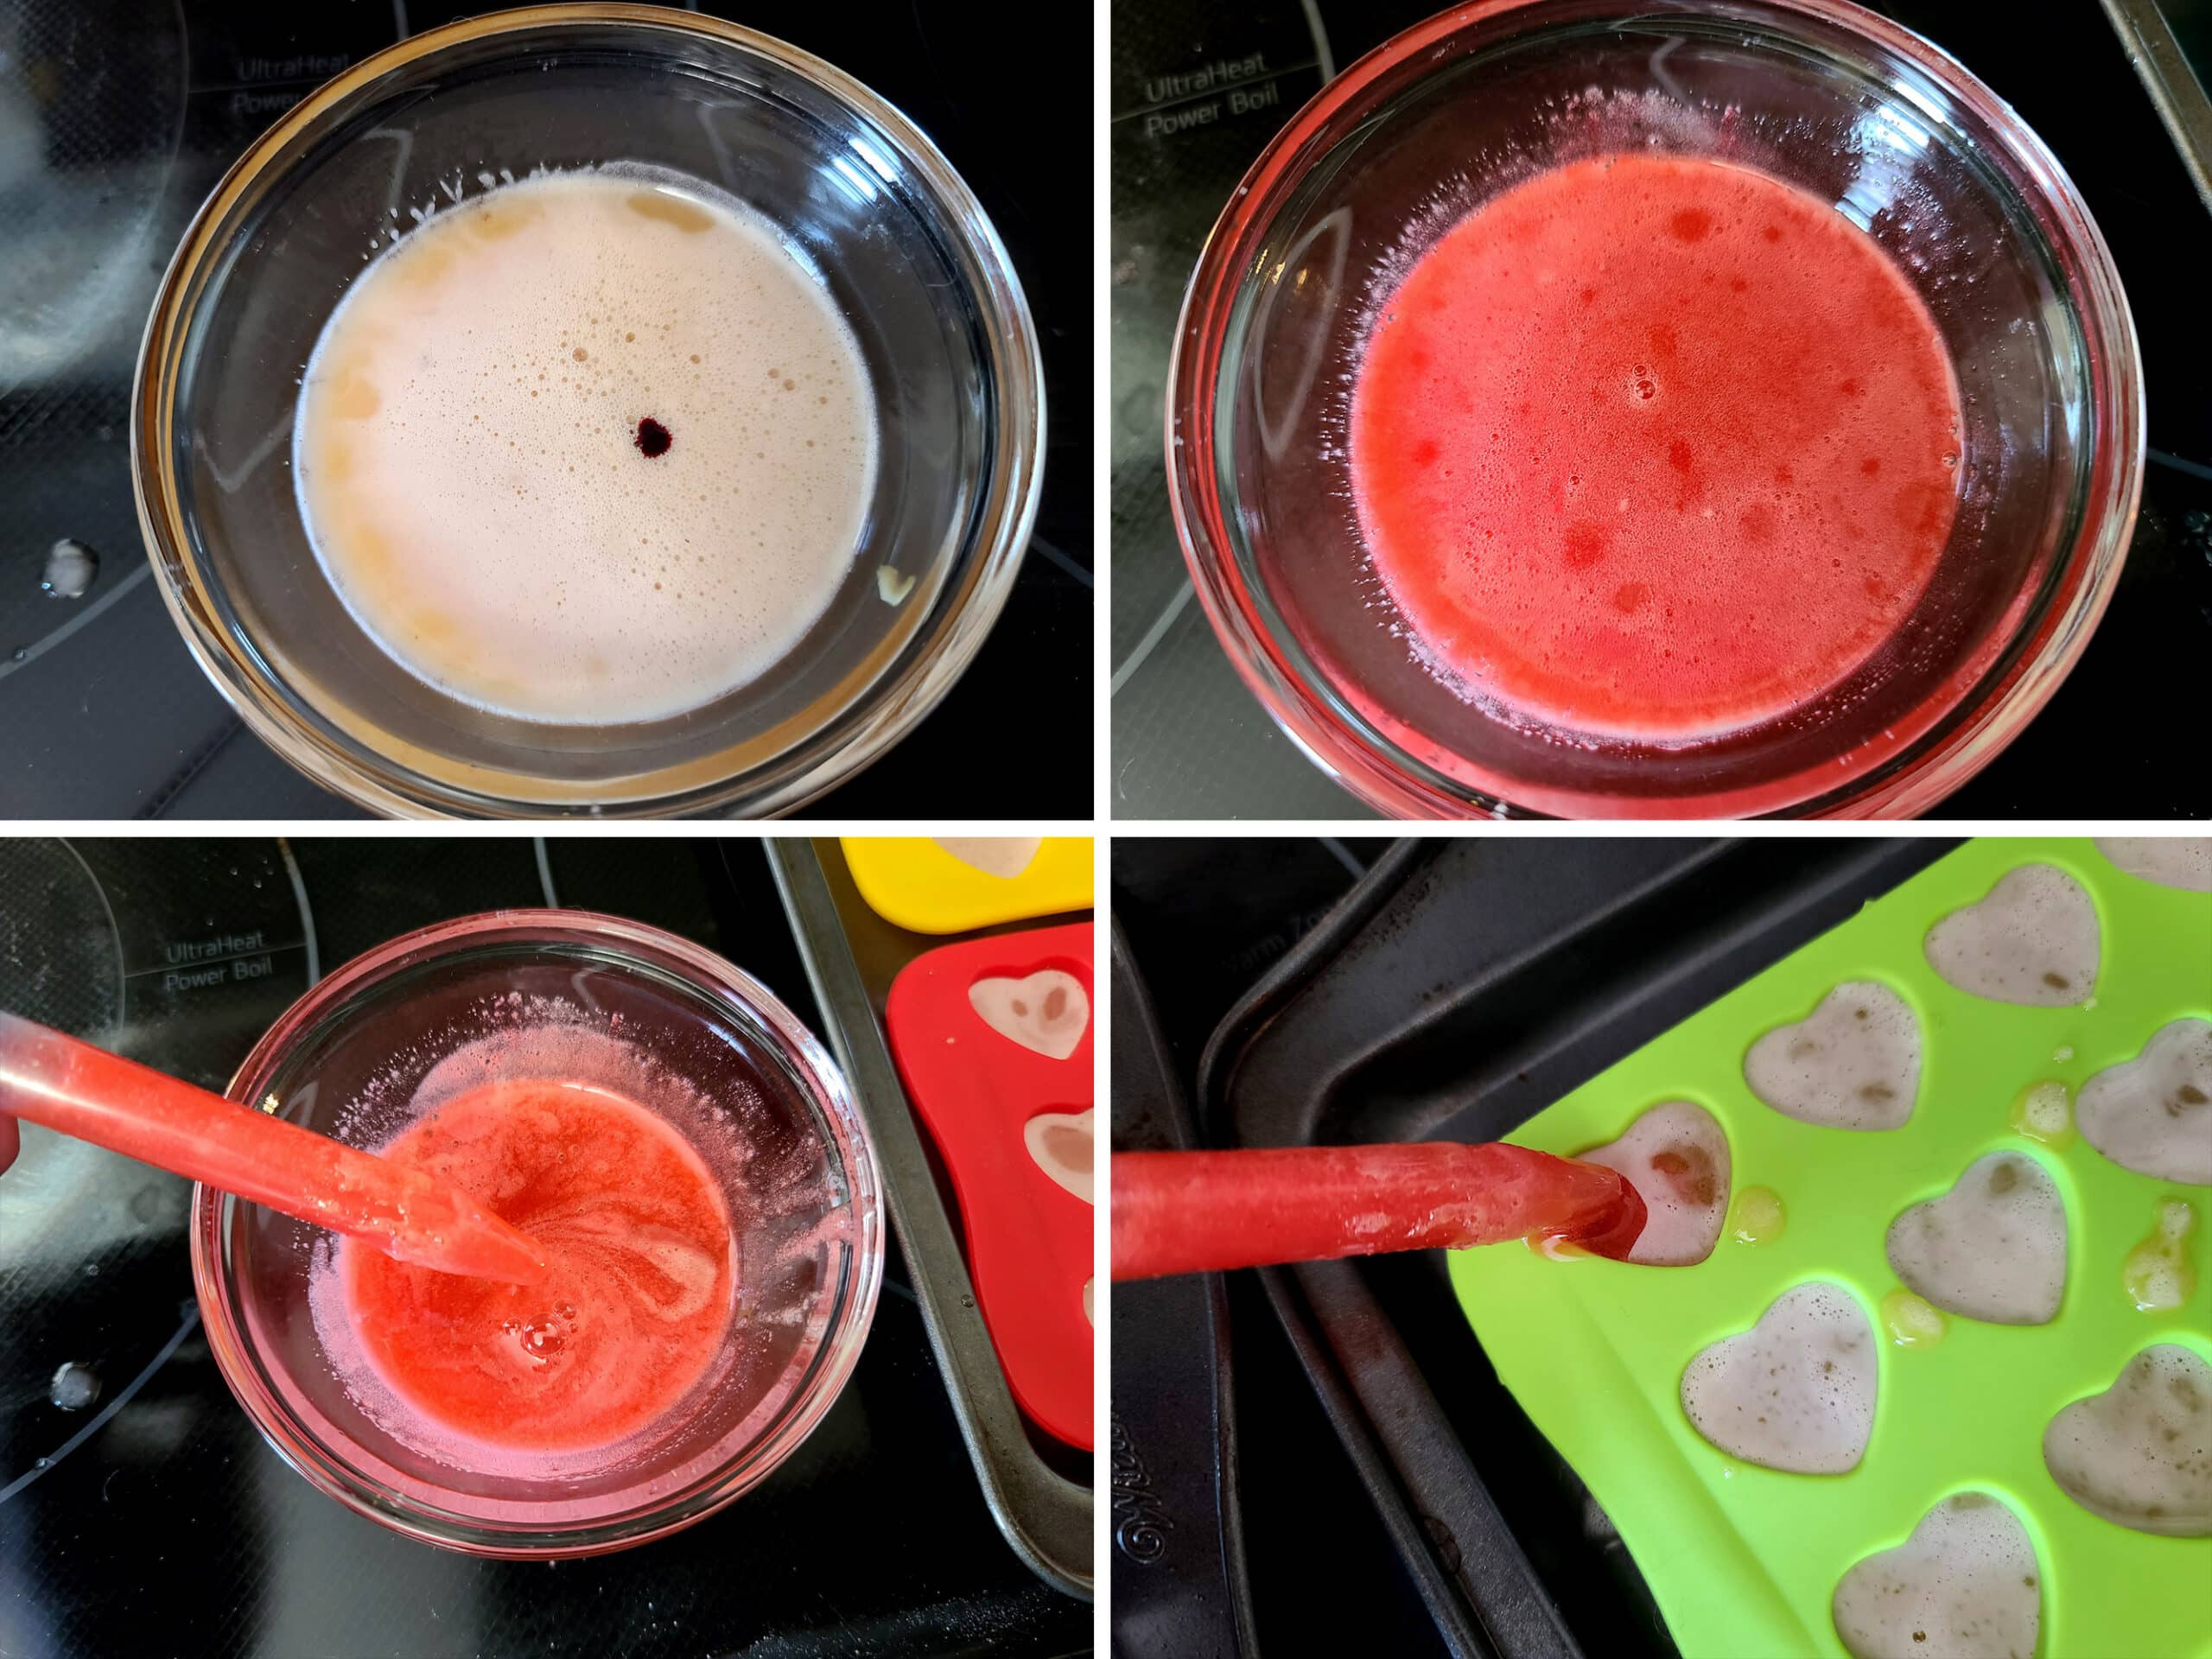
[1197, 87]
[140, 1513]
[117, 119]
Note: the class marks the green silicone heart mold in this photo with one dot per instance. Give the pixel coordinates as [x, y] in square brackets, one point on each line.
[1743, 1560]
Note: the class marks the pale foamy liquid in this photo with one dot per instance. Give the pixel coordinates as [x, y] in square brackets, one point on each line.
[2034, 940]
[472, 472]
[2184, 862]
[1966, 1585]
[1046, 1012]
[1853, 1063]
[1992, 1248]
[1795, 1392]
[2139, 1454]
[1676, 1157]
[2154, 1114]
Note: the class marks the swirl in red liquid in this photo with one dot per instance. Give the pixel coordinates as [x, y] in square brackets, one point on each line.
[641, 1278]
[1655, 446]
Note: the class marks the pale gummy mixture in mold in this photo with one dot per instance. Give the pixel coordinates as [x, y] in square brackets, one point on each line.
[1993, 1248]
[1796, 1392]
[1965, 1586]
[2184, 862]
[1003, 856]
[1853, 1064]
[2154, 1114]
[1793, 1393]
[2139, 1454]
[1046, 1012]
[2032, 940]
[479, 485]
[1061, 1143]
[1676, 1157]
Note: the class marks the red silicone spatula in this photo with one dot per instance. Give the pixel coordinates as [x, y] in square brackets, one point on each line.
[91, 1094]
[1205, 1211]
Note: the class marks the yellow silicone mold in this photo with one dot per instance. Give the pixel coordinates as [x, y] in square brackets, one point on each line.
[914, 883]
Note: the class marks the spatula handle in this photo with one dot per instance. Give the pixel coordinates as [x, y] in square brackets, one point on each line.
[1205, 1211]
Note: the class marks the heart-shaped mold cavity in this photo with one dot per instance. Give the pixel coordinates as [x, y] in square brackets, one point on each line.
[1677, 1158]
[1965, 1586]
[1060, 1143]
[2139, 1454]
[1795, 1392]
[2032, 940]
[1004, 856]
[2184, 862]
[1993, 1248]
[1046, 1012]
[2154, 1114]
[1853, 1063]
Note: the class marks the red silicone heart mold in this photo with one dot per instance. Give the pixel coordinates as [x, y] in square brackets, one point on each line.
[977, 1093]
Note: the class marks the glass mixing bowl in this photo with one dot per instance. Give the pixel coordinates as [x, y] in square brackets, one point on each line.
[588, 998]
[904, 248]
[1832, 99]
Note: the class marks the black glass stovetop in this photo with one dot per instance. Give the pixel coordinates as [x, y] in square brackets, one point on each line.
[141, 1513]
[116, 117]
[1196, 88]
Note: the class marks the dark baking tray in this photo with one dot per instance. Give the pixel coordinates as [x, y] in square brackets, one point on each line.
[1460, 988]
[1038, 1490]
[1177, 1534]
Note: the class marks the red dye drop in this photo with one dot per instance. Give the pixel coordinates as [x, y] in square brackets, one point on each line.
[653, 437]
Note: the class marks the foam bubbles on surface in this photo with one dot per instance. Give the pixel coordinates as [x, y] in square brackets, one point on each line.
[1993, 1248]
[472, 465]
[1966, 1585]
[2139, 1454]
[1853, 1064]
[1676, 1157]
[2033, 940]
[2154, 1114]
[2184, 862]
[1653, 446]
[1793, 1393]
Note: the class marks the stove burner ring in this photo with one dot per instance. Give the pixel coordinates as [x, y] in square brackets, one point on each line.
[61, 952]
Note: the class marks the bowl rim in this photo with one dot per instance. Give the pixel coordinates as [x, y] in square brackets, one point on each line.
[1918, 772]
[230, 1341]
[335, 749]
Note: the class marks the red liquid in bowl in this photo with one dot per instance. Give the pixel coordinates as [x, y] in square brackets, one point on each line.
[641, 1288]
[1654, 448]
